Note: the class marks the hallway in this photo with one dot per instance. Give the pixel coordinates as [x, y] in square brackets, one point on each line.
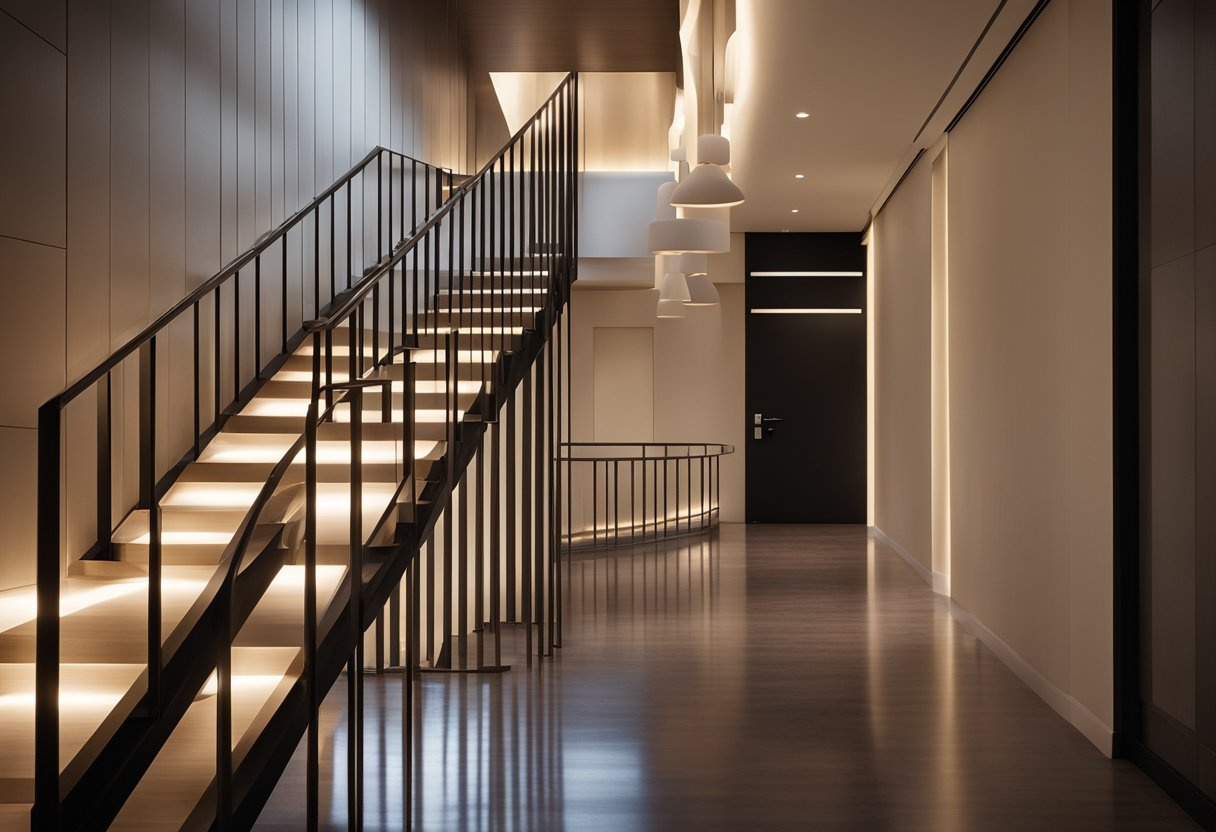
[770, 678]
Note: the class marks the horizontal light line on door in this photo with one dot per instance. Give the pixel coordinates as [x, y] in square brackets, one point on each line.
[818, 311]
[806, 274]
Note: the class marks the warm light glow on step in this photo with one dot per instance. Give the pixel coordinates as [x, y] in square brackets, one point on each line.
[187, 538]
[243, 683]
[269, 448]
[70, 699]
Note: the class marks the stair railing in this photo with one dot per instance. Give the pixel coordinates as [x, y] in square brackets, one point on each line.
[358, 221]
[624, 493]
[509, 233]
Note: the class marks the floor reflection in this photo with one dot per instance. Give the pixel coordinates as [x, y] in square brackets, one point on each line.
[767, 677]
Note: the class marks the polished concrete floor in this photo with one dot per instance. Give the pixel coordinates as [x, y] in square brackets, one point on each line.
[770, 678]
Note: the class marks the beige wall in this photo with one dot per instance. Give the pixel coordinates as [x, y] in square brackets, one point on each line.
[698, 373]
[158, 140]
[901, 237]
[1029, 351]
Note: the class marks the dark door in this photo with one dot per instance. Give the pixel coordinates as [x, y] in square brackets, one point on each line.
[806, 378]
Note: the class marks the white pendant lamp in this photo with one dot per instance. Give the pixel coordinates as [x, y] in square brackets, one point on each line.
[708, 186]
[670, 309]
[674, 287]
[701, 291]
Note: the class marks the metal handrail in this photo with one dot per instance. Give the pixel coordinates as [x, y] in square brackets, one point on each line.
[360, 291]
[671, 462]
[47, 776]
[242, 260]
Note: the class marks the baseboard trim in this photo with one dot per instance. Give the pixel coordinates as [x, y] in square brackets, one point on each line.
[1076, 714]
[937, 581]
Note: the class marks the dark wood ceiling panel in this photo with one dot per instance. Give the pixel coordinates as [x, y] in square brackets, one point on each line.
[562, 35]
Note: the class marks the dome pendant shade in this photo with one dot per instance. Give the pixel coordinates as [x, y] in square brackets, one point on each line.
[670, 309]
[686, 234]
[674, 287]
[701, 291]
[707, 186]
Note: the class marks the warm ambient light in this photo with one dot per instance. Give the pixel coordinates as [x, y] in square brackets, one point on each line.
[800, 176]
[802, 115]
[806, 311]
[806, 274]
[793, 210]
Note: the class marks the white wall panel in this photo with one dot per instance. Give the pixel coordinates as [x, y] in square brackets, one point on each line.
[1030, 367]
[903, 370]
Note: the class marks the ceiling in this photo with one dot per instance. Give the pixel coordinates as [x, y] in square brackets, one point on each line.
[869, 72]
[565, 35]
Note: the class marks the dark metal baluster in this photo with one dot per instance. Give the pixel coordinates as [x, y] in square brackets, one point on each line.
[316, 262]
[216, 371]
[525, 527]
[333, 246]
[540, 532]
[236, 337]
[105, 522]
[350, 254]
[354, 668]
[197, 379]
[46, 673]
[149, 500]
[479, 513]
[496, 539]
[510, 507]
[313, 748]
[283, 297]
[257, 316]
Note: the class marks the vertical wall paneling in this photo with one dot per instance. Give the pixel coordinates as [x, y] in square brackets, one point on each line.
[88, 258]
[129, 225]
[167, 224]
[32, 145]
[164, 142]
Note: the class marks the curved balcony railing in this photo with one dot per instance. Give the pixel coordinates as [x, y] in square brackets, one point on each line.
[625, 493]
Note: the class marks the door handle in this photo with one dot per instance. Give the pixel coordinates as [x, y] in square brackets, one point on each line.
[759, 428]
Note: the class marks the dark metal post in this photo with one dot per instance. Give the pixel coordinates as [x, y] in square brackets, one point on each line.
[46, 673]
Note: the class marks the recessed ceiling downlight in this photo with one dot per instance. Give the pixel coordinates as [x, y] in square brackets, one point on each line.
[793, 210]
[802, 114]
[800, 176]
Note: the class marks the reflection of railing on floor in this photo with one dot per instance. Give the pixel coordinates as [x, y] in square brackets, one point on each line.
[622, 493]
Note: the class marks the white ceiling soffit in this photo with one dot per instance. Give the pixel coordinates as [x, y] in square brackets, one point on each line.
[881, 80]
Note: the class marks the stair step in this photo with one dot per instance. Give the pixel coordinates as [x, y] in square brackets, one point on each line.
[182, 772]
[103, 617]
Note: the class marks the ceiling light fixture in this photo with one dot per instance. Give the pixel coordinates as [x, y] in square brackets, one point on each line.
[674, 287]
[793, 210]
[802, 115]
[708, 186]
[670, 309]
[800, 176]
[701, 291]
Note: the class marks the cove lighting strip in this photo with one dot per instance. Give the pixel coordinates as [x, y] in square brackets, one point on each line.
[806, 311]
[806, 274]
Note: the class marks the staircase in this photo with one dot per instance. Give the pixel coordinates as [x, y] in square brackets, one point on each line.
[367, 454]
